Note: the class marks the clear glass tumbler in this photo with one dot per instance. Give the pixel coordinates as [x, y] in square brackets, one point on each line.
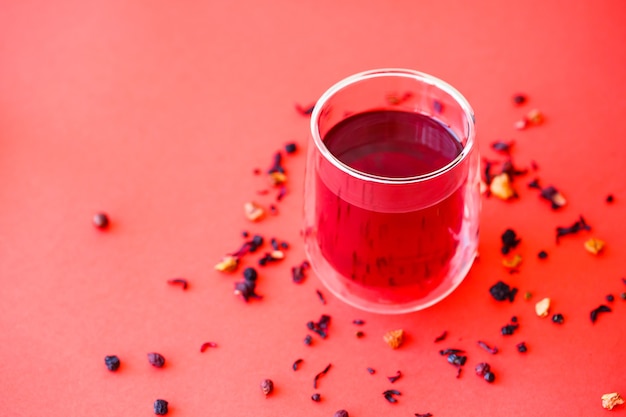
[392, 195]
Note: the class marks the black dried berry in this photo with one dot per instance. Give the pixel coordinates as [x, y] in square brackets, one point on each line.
[519, 99]
[542, 254]
[341, 413]
[250, 274]
[112, 362]
[316, 397]
[160, 407]
[502, 291]
[308, 340]
[156, 359]
[509, 240]
[558, 318]
[291, 147]
[489, 376]
[101, 220]
[521, 347]
[610, 298]
[482, 368]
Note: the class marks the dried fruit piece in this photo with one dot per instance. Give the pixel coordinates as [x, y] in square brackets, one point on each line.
[267, 386]
[594, 246]
[227, 264]
[535, 117]
[501, 187]
[277, 178]
[611, 400]
[512, 262]
[542, 308]
[253, 211]
[394, 338]
[112, 363]
[156, 359]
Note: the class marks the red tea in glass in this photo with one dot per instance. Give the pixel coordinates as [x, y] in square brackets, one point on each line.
[392, 192]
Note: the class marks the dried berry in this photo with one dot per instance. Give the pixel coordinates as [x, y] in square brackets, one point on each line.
[296, 364]
[156, 359]
[456, 359]
[291, 147]
[611, 400]
[542, 254]
[521, 347]
[308, 340]
[510, 240]
[542, 308]
[341, 413]
[112, 363]
[359, 334]
[601, 309]
[594, 246]
[501, 291]
[610, 198]
[558, 318]
[297, 272]
[371, 371]
[246, 289]
[358, 322]
[509, 329]
[394, 338]
[316, 397]
[519, 99]
[160, 407]
[489, 377]
[267, 386]
[101, 220]
[503, 147]
[482, 368]
[610, 298]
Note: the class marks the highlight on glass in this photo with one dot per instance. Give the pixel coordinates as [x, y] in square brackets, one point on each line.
[392, 195]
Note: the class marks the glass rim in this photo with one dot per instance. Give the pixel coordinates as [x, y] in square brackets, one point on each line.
[393, 72]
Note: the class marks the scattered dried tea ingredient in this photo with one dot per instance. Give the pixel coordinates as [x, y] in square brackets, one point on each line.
[609, 401]
[535, 117]
[296, 364]
[610, 198]
[297, 272]
[247, 290]
[320, 296]
[509, 329]
[502, 187]
[512, 263]
[502, 146]
[308, 340]
[395, 377]
[610, 298]
[267, 386]
[622, 295]
[558, 318]
[594, 246]
[528, 295]
[390, 395]
[519, 99]
[160, 407]
[101, 220]
[112, 362]
[207, 345]
[316, 397]
[423, 415]
[521, 347]
[491, 349]
[341, 413]
[179, 281]
[489, 377]
[394, 338]
[482, 368]
[596, 311]
[358, 322]
[321, 326]
[578, 226]
[542, 254]
[509, 240]
[253, 211]
[291, 147]
[501, 291]
[227, 264]
[371, 371]
[542, 308]
[320, 374]
[359, 334]
[441, 337]
[156, 359]
[520, 124]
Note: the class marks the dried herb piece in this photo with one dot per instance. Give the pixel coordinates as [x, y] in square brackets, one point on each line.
[509, 329]
[359, 334]
[277, 178]
[594, 246]
[535, 117]
[178, 281]
[456, 359]
[112, 363]
[320, 296]
[267, 386]
[101, 220]
[553, 195]
[558, 318]
[389, 395]
[501, 291]
[542, 308]
[394, 338]
[247, 290]
[341, 413]
[610, 198]
[160, 407]
[308, 340]
[423, 415]
[316, 397]
[510, 240]
[394, 378]
[610, 298]
[521, 347]
[297, 272]
[493, 350]
[282, 192]
[207, 345]
[371, 371]
[601, 309]
[519, 99]
[542, 254]
[305, 110]
[358, 322]
[574, 228]
[441, 337]
[502, 146]
[156, 359]
[291, 147]
[609, 401]
[520, 124]
[448, 351]
[296, 364]
[321, 374]
[482, 368]
[321, 326]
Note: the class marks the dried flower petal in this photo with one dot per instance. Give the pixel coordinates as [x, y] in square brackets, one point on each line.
[394, 338]
[253, 211]
[594, 246]
[501, 187]
[611, 400]
[513, 262]
[227, 264]
[542, 308]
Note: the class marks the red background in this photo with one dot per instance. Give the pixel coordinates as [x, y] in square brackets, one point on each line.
[157, 112]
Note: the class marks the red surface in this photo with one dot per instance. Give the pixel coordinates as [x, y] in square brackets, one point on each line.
[157, 112]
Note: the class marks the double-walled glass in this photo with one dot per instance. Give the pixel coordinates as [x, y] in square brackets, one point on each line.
[392, 190]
